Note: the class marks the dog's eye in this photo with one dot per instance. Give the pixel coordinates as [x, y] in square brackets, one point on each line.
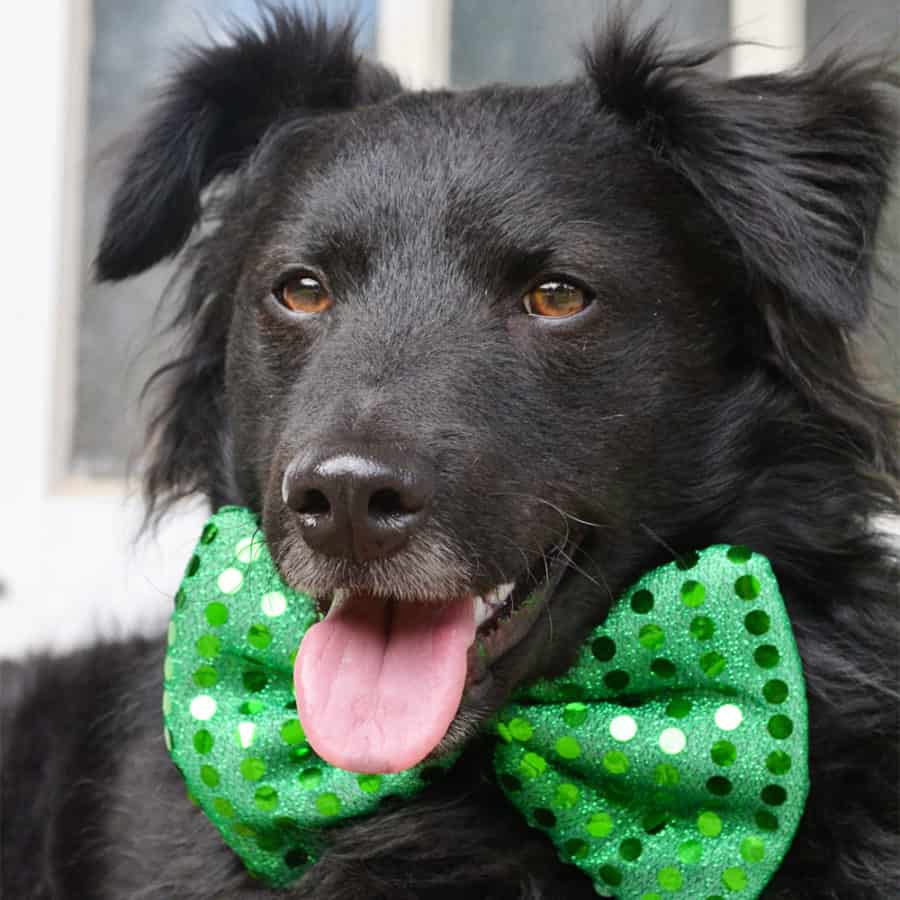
[555, 300]
[303, 293]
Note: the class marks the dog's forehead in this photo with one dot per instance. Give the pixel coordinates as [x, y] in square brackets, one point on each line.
[502, 158]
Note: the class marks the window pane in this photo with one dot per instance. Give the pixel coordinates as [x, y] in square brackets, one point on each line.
[835, 21]
[872, 24]
[533, 41]
[134, 46]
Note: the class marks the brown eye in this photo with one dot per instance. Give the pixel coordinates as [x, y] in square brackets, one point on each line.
[555, 300]
[303, 293]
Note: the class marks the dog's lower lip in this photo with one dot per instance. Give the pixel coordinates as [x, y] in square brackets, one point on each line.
[528, 599]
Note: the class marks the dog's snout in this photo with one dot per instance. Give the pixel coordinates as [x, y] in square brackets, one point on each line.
[362, 505]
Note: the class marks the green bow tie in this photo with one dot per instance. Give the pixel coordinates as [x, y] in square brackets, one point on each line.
[670, 760]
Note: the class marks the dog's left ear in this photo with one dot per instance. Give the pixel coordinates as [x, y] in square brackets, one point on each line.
[797, 166]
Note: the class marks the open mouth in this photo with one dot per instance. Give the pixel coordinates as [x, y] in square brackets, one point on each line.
[380, 679]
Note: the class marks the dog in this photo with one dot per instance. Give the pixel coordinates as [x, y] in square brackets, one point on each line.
[532, 335]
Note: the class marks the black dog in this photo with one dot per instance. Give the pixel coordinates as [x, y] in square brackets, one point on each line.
[588, 326]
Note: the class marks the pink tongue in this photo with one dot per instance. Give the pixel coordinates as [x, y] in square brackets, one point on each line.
[378, 683]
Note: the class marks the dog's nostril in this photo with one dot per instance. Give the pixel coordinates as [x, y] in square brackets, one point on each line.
[388, 503]
[313, 503]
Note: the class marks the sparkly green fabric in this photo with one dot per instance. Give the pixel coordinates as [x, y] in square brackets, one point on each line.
[669, 761]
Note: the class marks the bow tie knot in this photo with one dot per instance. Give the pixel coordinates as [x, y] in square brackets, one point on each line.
[669, 760]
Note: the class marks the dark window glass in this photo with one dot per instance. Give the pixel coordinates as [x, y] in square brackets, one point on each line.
[533, 41]
[134, 46]
[874, 24]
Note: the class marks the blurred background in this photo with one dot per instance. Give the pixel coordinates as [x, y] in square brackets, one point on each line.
[74, 354]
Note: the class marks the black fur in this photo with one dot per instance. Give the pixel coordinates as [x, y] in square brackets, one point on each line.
[709, 394]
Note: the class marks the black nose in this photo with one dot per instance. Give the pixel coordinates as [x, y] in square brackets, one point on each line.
[360, 504]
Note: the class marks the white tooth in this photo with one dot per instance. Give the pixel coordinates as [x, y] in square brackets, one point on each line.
[339, 596]
[499, 594]
[482, 612]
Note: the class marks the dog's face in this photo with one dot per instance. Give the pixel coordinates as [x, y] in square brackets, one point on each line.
[470, 355]
[433, 295]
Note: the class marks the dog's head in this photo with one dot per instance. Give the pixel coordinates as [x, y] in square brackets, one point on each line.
[479, 357]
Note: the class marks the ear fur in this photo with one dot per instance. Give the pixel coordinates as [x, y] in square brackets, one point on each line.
[214, 112]
[797, 166]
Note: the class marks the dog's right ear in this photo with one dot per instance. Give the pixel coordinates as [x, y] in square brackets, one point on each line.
[796, 166]
[215, 111]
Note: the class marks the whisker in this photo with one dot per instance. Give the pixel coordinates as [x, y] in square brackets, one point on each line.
[678, 557]
[566, 516]
[572, 564]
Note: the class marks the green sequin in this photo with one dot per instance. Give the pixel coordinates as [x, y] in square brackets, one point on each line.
[778, 762]
[719, 786]
[203, 741]
[205, 677]
[604, 649]
[617, 680]
[612, 761]
[739, 554]
[670, 879]
[259, 636]
[252, 769]
[702, 628]
[651, 636]
[216, 613]
[663, 668]
[666, 775]
[679, 708]
[780, 727]
[690, 852]
[328, 804]
[568, 747]
[753, 850]
[709, 824]
[574, 714]
[599, 825]
[615, 762]
[370, 784]
[519, 729]
[775, 691]
[747, 587]
[693, 593]
[533, 765]
[566, 796]
[723, 753]
[292, 732]
[757, 622]
[713, 664]
[734, 878]
[266, 798]
[209, 646]
[767, 656]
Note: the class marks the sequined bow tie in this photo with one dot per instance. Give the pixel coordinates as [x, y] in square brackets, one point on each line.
[670, 760]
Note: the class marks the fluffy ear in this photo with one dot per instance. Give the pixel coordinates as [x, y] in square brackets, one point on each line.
[215, 111]
[797, 166]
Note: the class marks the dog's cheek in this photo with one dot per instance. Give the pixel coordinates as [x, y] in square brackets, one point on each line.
[258, 373]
